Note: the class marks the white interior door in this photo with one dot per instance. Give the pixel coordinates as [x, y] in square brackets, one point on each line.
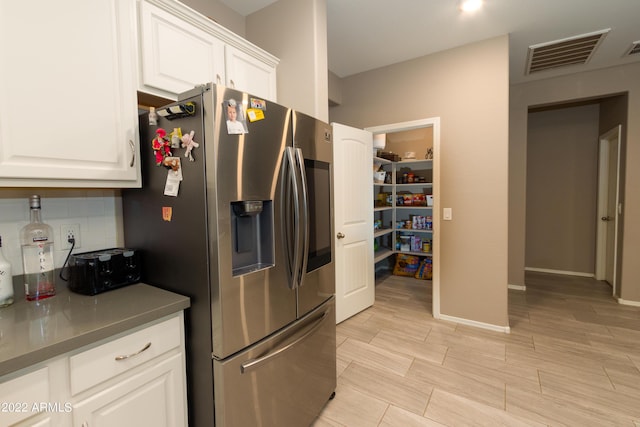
[353, 195]
[608, 209]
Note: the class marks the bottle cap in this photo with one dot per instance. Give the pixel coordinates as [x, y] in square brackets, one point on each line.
[34, 202]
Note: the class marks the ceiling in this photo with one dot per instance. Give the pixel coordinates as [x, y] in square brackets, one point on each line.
[368, 34]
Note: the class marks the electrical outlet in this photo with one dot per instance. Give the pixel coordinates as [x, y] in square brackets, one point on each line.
[68, 231]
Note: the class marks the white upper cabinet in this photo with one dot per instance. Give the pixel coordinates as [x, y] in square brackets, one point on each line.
[176, 56]
[246, 73]
[68, 108]
[180, 48]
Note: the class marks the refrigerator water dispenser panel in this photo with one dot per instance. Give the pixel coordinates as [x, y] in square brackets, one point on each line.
[252, 230]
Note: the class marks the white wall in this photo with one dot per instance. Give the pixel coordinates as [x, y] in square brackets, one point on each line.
[98, 212]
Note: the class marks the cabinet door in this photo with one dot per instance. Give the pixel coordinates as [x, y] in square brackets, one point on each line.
[176, 55]
[248, 74]
[153, 396]
[20, 397]
[68, 114]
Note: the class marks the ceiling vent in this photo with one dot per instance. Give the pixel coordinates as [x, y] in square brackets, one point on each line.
[560, 53]
[634, 49]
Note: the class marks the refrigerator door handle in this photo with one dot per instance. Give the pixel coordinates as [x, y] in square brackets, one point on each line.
[253, 364]
[304, 217]
[292, 217]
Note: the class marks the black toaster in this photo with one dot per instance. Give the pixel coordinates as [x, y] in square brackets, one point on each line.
[94, 272]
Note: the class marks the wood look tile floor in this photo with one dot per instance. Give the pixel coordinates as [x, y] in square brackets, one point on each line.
[572, 358]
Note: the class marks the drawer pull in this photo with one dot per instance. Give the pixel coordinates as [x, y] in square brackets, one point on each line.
[127, 356]
[252, 364]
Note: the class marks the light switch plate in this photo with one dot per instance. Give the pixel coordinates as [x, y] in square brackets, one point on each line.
[447, 214]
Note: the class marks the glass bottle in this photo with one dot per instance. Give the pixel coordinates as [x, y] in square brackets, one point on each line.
[6, 280]
[37, 255]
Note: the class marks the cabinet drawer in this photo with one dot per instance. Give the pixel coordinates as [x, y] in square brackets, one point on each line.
[19, 395]
[103, 362]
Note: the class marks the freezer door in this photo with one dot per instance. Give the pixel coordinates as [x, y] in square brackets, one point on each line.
[283, 381]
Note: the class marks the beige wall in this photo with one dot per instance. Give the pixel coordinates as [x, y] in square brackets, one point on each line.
[562, 182]
[468, 88]
[220, 13]
[599, 83]
[296, 32]
[415, 140]
[334, 89]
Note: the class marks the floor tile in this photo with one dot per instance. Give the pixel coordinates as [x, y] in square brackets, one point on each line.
[452, 410]
[398, 417]
[406, 393]
[572, 358]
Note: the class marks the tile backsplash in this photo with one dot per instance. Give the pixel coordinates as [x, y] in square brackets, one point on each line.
[98, 212]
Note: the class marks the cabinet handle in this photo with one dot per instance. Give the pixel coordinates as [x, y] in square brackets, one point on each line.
[133, 152]
[85, 424]
[233, 85]
[340, 236]
[127, 356]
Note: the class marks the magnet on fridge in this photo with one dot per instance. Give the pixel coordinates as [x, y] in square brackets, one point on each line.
[258, 104]
[167, 212]
[174, 176]
[172, 163]
[175, 137]
[235, 117]
[254, 114]
[177, 111]
[189, 144]
[161, 146]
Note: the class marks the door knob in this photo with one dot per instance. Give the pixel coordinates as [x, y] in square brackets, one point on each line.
[340, 236]
[606, 218]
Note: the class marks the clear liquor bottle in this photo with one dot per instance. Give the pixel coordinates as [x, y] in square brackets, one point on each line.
[6, 280]
[37, 255]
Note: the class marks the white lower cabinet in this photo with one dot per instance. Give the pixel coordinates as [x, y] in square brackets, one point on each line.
[21, 396]
[152, 396]
[134, 379]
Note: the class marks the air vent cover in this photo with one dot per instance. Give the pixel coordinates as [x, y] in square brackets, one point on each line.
[634, 49]
[560, 53]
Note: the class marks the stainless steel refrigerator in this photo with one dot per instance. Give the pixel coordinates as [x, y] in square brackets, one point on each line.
[244, 227]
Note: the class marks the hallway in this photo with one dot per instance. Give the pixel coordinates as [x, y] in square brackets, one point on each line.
[572, 358]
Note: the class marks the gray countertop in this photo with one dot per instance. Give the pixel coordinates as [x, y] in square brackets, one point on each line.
[34, 331]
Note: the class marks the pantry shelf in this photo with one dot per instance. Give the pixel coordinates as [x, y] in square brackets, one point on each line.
[381, 254]
[410, 204]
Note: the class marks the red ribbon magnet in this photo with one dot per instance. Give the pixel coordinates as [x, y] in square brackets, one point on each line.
[161, 146]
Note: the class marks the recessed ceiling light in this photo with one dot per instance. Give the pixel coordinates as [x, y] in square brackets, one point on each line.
[470, 5]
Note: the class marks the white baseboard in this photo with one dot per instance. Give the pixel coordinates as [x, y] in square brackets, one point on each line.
[475, 324]
[628, 302]
[517, 287]
[566, 273]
